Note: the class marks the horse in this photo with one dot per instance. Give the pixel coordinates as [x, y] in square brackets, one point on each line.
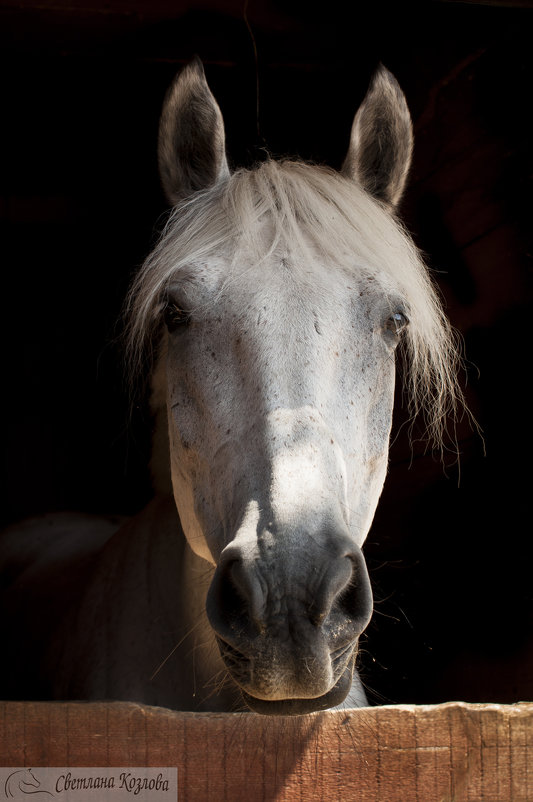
[269, 315]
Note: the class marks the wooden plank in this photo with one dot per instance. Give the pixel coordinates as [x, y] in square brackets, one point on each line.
[453, 752]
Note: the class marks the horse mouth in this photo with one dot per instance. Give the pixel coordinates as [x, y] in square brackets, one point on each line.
[299, 707]
[239, 668]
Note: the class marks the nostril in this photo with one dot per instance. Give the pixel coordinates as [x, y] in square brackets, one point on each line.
[233, 601]
[227, 596]
[333, 586]
[344, 604]
[232, 593]
[355, 599]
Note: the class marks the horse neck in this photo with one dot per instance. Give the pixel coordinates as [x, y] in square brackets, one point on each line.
[141, 631]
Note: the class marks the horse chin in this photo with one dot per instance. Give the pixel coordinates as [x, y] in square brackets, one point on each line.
[299, 707]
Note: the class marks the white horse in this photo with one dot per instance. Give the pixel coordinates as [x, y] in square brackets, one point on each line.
[274, 302]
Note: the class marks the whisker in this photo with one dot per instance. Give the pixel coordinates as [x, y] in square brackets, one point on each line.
[173, 650]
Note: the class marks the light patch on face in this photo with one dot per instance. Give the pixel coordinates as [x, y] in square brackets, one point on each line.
[184, 496]
[308, 469]
[246, 537]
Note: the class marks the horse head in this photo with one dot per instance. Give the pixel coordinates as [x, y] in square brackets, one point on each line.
[280, 295]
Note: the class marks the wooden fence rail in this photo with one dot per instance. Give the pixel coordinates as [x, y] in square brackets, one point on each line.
[453, 752]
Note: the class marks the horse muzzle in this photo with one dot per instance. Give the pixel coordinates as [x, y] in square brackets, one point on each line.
[288, 626]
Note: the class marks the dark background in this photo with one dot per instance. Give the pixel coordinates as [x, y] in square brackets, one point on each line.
[82, 86]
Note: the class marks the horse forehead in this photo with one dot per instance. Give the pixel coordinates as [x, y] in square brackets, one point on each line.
[285, 290]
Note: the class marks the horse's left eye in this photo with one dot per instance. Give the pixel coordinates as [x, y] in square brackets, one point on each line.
[175, 316]
[396, 323]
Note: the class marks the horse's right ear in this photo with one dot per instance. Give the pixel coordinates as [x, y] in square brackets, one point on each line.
[191, 147]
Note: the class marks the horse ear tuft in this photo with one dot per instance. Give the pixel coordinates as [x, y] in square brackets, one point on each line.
[191, 146]
[381, 140]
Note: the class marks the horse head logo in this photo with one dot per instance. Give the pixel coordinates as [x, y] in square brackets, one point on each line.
[24, 782]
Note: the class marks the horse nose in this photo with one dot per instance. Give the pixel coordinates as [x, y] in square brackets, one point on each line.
[245, 598]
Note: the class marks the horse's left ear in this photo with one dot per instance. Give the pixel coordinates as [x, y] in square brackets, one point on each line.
[381, 141]
[191, 147]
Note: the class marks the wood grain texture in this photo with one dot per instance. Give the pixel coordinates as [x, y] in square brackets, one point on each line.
[448, 753]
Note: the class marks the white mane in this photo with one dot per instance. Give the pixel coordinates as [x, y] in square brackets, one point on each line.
[327, 217]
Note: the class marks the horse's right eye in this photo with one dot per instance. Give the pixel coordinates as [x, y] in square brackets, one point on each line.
[175, 316]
